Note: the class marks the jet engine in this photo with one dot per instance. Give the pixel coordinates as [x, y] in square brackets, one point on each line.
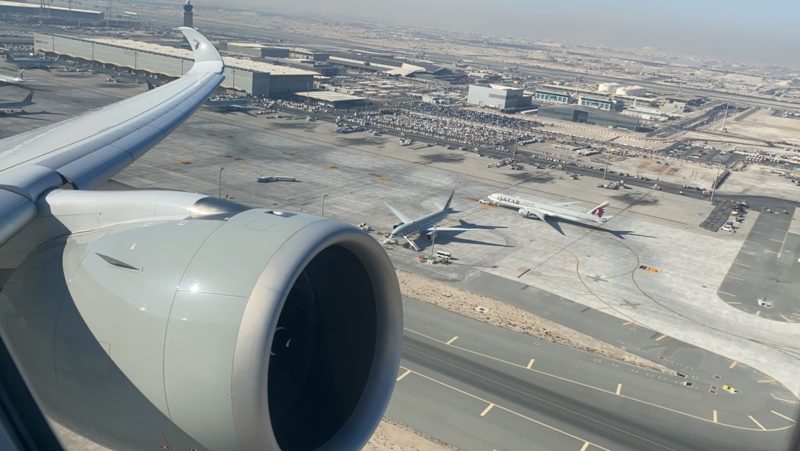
[225, 329]
[526, 213]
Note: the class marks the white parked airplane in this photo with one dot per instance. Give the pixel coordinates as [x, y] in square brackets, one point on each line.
[16, 108]
[542, 209]
[202, 324]
[18, 80]
[423, 225]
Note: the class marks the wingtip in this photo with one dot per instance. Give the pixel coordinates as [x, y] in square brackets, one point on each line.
[205, 54]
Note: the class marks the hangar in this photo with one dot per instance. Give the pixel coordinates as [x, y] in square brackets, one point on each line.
[256, 78]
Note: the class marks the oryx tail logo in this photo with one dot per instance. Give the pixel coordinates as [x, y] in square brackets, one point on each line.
[600, 210]
[196, 44]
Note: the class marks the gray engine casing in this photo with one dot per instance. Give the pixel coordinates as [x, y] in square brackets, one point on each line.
[255, 330]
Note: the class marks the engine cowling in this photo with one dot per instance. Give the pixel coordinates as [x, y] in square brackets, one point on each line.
[251, 330]
[526, 213]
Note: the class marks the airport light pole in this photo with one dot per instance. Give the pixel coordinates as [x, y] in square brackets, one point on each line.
[324, 196]
[220, 183]
[725, 117]
[433, 243]
[714, 184]
[514, 151]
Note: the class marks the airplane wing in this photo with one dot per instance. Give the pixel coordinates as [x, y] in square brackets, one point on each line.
[89, 149]
[172, 282]
[397, 213]
[542, 215]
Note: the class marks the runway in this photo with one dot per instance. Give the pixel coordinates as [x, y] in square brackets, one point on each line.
[481, 387]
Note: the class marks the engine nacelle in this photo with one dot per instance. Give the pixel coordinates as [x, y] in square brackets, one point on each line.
[256, 330]
[526, 213]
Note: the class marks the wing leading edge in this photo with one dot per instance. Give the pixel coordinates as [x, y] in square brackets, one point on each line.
[405, 219]
[91, 148]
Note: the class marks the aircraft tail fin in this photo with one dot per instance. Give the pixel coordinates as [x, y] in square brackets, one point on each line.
[599, 211]
[21, 75]
[28, 99]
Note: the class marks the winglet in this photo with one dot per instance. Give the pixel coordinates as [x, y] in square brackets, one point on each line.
[206, 57]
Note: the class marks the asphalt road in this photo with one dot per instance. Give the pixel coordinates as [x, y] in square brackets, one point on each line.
[482, 387]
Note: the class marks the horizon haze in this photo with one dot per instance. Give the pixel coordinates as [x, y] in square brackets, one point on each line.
[737, 30]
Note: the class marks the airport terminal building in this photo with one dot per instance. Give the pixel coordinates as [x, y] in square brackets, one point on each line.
[264, 51]
[601, 103]
[258, 79]
[588, 115]
[50, 13]
[552, 96]
[498, 97]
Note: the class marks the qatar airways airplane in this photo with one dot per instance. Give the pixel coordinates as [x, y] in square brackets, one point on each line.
[540, 209]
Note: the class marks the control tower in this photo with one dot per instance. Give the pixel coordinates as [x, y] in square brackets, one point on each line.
[188, 15]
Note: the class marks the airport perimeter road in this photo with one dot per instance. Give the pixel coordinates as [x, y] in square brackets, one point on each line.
[765, 277]
[481, 387]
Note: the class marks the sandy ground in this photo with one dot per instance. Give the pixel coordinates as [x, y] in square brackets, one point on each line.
[73, 441]
[391, 436]
[497, 313]
[667, 169]
[762, 124]
[760, 180]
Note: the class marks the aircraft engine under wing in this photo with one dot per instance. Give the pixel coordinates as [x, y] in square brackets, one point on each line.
[168, 320]
[204, 326]
[530, 214]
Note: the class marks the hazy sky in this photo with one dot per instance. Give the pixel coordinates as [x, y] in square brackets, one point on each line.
[752, 30]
